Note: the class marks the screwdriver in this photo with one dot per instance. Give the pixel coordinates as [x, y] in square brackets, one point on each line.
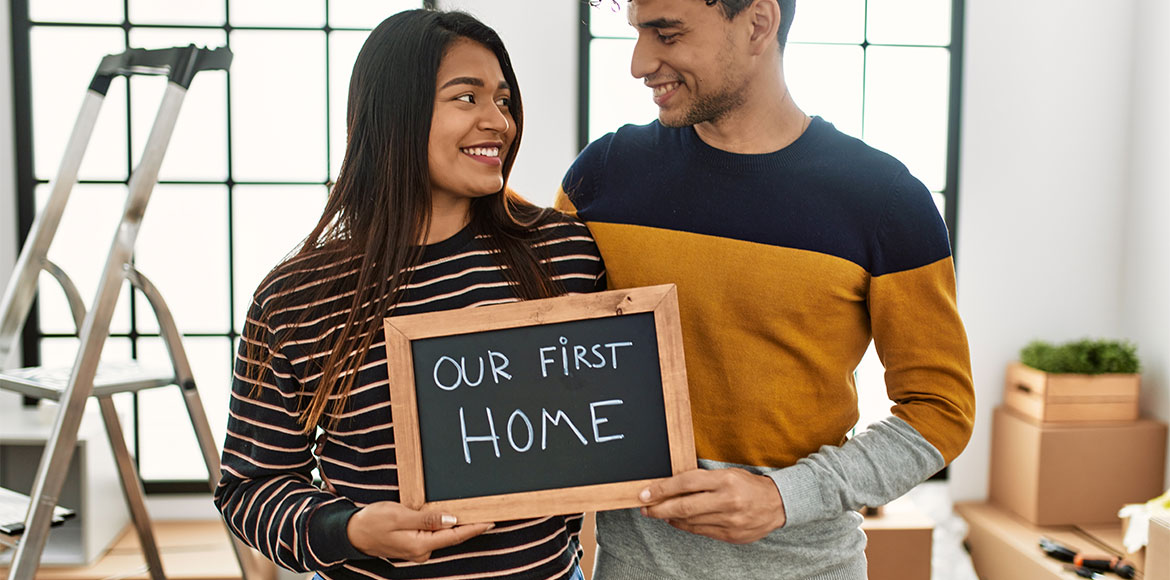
[1102, 563]
[1084, 572]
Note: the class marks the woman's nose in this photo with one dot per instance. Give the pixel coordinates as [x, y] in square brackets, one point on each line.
[494, 119]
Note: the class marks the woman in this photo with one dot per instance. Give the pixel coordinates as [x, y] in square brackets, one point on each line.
[418, 221]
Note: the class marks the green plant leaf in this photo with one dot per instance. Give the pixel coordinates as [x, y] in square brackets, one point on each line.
[1086, 356]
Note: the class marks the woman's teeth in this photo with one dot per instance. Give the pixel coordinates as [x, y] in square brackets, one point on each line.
[482, 151]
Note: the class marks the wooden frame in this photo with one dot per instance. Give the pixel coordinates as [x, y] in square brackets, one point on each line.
[662, 301]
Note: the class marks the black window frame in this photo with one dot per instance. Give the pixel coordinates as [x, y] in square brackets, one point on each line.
[27, 181]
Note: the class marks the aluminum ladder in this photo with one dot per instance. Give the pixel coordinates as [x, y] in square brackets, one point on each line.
[72, 386]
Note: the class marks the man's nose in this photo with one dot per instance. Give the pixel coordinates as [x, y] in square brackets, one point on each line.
[645, 58]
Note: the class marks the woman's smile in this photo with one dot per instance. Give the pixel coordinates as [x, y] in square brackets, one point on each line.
[486, 153]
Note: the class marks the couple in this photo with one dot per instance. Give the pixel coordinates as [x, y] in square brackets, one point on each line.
[792, 246]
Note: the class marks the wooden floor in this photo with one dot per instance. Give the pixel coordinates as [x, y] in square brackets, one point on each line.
[194, 550]
[199, 550]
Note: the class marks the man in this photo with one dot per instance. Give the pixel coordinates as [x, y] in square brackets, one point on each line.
[792, 246]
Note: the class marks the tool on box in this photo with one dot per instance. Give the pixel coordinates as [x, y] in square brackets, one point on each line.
[1078, 560]
[1084, 572]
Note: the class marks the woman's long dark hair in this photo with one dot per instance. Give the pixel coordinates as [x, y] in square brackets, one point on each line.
[379, 210]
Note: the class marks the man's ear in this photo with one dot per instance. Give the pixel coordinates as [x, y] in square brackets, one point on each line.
[764, 18]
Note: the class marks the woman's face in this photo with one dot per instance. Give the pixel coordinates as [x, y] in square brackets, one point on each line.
[472, 128]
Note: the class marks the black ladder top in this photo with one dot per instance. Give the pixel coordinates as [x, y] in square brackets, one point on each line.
[179, 64]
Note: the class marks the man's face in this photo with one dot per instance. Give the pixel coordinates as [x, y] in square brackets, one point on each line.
[688, 54]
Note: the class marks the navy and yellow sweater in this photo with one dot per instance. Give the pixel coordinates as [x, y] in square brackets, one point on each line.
[787, 264]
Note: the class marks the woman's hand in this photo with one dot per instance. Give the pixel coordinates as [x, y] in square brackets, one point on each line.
[388, 529]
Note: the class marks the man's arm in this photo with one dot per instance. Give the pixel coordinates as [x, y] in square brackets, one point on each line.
[737, 506]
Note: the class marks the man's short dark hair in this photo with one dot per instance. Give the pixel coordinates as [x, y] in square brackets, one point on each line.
[731, 8]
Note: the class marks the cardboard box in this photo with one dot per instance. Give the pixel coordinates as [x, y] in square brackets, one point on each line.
[1004, 547]
[1059, 398]
[899, 542]
[1157, 564]
[588, 539]
[1074, 474]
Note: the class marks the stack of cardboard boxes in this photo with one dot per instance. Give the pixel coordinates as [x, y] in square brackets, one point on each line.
[1067, 453]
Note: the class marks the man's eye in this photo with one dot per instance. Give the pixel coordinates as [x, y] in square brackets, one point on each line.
[468, 98]
[667, 38]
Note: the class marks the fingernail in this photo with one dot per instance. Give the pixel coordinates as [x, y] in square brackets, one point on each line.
[645, 495]
[449, 520]
[645, 512]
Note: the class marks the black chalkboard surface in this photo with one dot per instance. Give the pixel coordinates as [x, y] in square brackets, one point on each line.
[541, 407]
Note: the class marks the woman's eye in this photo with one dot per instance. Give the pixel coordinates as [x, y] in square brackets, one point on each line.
[468, 98]
[503, 102]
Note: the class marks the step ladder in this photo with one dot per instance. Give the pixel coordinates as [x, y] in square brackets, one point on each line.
[88, 377]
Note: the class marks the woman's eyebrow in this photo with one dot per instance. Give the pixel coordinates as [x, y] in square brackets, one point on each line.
[473, 81]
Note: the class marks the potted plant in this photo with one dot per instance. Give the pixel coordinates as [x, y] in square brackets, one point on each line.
[1083, 380]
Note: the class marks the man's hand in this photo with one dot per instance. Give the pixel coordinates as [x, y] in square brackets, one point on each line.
[388, 529]
[731, 505]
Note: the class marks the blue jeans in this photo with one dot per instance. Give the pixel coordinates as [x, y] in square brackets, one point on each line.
[577, 575]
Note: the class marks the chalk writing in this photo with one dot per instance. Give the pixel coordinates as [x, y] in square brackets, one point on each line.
[528, 435]
[539, 407]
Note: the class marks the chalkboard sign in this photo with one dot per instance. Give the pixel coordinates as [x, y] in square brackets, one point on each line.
[541, 407]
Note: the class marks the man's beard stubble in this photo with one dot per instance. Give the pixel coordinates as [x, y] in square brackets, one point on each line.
[711, 108]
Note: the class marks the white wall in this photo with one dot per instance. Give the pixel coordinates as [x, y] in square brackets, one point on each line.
[1064, 116]
[7, 173]
[7, 162]
[1145, 306]
[542, 40]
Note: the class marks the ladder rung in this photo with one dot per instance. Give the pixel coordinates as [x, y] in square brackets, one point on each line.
[120, 377]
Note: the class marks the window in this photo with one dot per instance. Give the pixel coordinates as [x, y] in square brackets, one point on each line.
[244, 177]
[246, 171]
[885, 71]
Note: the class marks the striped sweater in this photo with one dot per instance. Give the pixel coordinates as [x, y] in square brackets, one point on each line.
[267, 494]
[787, 265]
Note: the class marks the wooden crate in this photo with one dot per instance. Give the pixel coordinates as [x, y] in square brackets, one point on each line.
[1069, 398]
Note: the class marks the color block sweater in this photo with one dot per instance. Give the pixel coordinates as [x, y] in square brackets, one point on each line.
[787, 265]
[266, 493]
